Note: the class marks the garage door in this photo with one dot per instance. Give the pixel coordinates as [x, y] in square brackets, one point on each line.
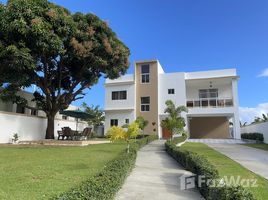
[209, 127]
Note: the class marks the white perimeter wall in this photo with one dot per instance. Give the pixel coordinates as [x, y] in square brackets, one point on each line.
[259, 128]
[30, 127]
[121, 115]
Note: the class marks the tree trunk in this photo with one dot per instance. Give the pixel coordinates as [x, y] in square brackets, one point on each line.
[50, 126]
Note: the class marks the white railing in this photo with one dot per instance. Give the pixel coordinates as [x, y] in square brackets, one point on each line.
[210, 102]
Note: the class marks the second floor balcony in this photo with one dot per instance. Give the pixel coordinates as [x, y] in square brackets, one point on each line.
[209, 103]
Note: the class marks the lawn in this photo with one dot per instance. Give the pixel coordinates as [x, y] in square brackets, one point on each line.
[41, 172]
[228, 167]
[258, 146]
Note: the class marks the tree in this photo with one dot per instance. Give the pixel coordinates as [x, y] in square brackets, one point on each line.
[142, 123]
[95, 111]
[116, 133]
[174, 122]
[61, 54]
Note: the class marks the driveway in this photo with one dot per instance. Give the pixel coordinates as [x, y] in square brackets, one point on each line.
[256, 160]
[156, 176]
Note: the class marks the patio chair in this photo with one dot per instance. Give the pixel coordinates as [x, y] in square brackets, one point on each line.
[60, 135]
[68, 133]
[86, 133]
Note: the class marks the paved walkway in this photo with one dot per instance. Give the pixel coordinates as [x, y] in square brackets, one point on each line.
[155, 176]
[256, 160]
[218, 141]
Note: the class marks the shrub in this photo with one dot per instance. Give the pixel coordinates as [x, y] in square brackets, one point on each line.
[118, 133]
[253, 136]
[115, 133]
[107, 182]
[200, 166]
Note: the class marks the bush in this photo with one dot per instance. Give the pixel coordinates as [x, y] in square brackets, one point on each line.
[200, 166]
[253, 136]
[105, 184]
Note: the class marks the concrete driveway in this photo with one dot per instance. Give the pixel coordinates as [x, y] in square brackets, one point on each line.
[256, 160]
[156, 176]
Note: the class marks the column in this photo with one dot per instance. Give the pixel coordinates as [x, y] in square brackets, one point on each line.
[236, 121]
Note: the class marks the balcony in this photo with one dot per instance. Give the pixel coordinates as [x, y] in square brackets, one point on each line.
[210, 103]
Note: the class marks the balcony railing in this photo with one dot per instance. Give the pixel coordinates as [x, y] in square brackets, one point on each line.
[210, 102]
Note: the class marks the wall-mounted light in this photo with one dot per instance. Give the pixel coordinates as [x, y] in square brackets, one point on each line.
[210, 84]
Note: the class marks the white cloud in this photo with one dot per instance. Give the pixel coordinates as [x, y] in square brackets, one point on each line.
[264, 73]
[248, 114]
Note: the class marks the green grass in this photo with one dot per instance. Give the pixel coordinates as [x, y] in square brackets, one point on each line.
[228, 167]
[41, 172]
[258, 146]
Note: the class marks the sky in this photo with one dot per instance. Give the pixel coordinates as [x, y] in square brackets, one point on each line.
[191, 35]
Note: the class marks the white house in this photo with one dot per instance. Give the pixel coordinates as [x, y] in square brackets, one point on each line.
[30, 124]
[211, 97]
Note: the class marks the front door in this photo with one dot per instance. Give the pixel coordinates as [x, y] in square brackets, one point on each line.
[166, 134]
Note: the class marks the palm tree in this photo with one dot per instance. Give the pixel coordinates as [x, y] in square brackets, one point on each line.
[98, 115]
[256, 120]
[174, 122]
[265, 117]
[142, 123]
[242, 125]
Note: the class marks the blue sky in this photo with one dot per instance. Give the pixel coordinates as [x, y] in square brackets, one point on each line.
[190, 35]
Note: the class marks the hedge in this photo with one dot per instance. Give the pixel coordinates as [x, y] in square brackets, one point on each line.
[107, 182]
[200, 166]
[253, 136]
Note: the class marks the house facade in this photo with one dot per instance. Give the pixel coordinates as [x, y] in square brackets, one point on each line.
[211, 98]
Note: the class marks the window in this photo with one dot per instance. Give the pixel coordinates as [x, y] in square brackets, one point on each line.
[34, 112]
[20, 109]
[114, 122]
[145, 104]
[127, 121]
[171, 91]
[145, 73]
[208, 93]
[64, 117]
[119, 95]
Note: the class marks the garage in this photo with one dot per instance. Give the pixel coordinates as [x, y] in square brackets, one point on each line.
[209, 127]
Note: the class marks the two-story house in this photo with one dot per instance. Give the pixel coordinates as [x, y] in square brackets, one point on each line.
[211, 97]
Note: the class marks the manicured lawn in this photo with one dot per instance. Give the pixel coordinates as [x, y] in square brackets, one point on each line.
[228, 167]
[41, 172]
[259, 146]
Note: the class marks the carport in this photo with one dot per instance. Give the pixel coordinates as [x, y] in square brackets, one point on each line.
[215, 127]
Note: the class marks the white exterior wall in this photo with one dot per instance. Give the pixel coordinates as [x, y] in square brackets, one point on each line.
[119, 109]
[224, 89]
[129, 103]
[30, 127]
[171, 81]
[121, 115]
[227, 111]
[259, 128]
[167, 81]
[211, 74]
